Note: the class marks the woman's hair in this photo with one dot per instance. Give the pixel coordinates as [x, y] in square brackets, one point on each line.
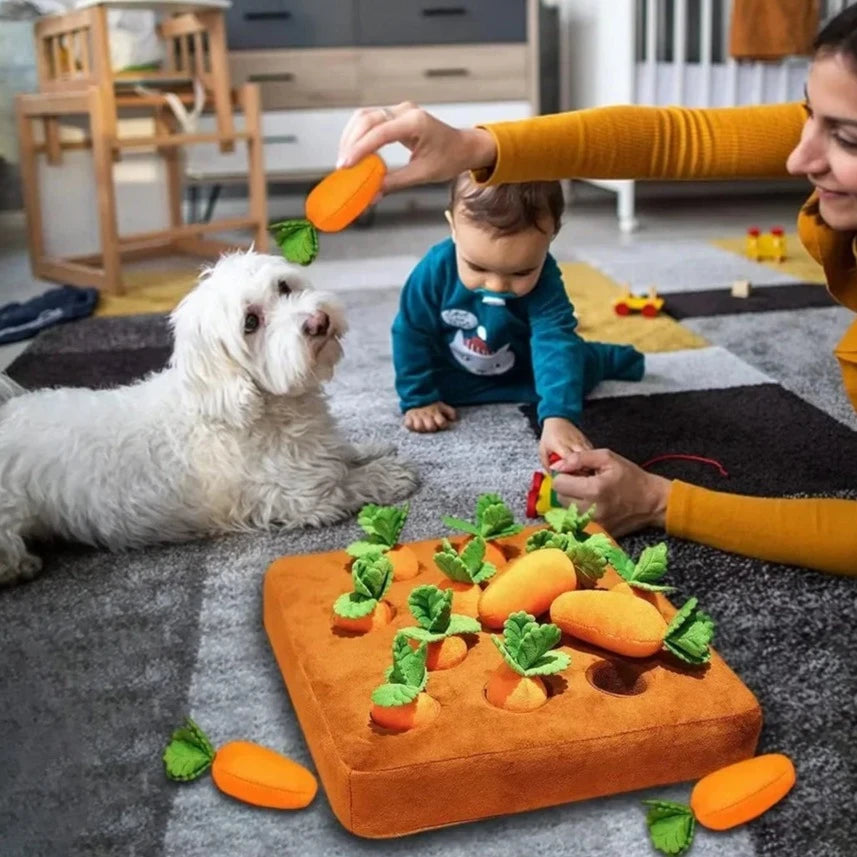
[839, 35]
[508, 208]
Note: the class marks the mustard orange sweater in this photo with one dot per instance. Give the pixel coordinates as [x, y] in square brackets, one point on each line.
[721, 143]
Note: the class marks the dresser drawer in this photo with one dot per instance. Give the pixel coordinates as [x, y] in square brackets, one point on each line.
[290, 23]
[309, 77]
[426, 22]
[443, 73]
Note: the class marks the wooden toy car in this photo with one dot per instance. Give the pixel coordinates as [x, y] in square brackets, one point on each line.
[648, 305]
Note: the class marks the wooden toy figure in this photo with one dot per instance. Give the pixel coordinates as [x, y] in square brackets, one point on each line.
[771, 245]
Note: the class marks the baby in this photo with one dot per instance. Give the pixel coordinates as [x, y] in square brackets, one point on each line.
[484, 317]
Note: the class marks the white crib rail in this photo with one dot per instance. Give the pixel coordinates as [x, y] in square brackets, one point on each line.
[637, 51]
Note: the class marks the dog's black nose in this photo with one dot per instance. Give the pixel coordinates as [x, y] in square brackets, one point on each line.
[317, 324]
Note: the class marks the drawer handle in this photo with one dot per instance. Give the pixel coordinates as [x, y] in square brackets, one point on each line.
[446, 72]
[272, 77]
[443, 11]
[267, 16]
[280, 138]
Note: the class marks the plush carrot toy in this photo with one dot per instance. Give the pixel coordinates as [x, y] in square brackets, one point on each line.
[724, 799]
[631, 626]
[383, 525]
[530, 584]
[364, 608]
[334, 203]
[493, 520]
[465, 572]
[401, 703]
[516, 684]
[640, 578]
[438, 627]
[240, 769]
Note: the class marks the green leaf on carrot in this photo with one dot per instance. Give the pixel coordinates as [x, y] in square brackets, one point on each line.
[383, 524]
[392, 695]
[353, 605]
[570, 521]
[620, 561]
[459, 624]
[365, 548]
[460, 524]
[372, 575]
[297, 240]
[468, 566]
[189, 753]
[409, 664]
[589, 562]
[494, 519]
[671, 826]
[525, 646]
[689, 634]
[431, 607]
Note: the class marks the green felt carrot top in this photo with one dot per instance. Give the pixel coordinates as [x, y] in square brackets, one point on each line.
[432, 608]
[469, 565]
[371, 576]
[383, 525]
[526, 646]
[493, 519]
[297, 240]
[406, 678]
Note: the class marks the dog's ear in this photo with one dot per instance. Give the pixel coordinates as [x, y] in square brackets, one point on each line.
[207, 355]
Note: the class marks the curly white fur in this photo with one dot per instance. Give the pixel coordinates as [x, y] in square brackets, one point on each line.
[234, 434]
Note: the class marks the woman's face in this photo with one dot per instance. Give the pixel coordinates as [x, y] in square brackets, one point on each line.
[827, 152]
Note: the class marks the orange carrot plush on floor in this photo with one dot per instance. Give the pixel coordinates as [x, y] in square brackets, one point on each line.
[383, 525]
[465, 571]
[516, 684]
[363, 608]
[632, 627]
[438, 627]
[401, 703]
[240, 769]
[724, 799]
[493, 520]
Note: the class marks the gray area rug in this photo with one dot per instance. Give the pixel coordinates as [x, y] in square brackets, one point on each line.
[103, 655]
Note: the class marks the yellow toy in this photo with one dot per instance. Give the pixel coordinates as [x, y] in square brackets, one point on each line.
[648, 305]
[771, 245]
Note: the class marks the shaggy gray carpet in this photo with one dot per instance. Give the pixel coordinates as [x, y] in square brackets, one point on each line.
[103, 655]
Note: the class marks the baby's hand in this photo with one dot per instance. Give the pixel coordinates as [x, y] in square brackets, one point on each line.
[562, 437]
[434, 417]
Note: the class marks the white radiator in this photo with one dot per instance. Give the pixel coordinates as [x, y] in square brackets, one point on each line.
[663, 52]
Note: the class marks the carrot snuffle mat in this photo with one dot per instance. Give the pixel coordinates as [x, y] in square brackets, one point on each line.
[499, 671]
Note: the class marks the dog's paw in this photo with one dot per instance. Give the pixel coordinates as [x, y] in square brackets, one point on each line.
[25, 569]
[363, 453]
[397, 482]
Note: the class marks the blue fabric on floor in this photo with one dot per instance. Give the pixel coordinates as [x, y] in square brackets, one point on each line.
[23, 320]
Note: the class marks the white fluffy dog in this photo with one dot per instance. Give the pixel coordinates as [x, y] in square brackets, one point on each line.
[234, 434]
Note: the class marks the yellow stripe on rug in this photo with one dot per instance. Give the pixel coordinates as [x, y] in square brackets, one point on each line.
[149, 290]
[592, 294]
[798, 262]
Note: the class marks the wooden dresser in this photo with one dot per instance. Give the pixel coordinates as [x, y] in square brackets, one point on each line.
[467, 61]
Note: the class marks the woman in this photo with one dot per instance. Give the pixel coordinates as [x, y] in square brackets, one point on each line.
[817, 139]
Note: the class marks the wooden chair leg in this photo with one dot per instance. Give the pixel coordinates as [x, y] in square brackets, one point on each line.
[30, 186]
[257, 187]
[172, 165]
[217, 56]
[102, 156]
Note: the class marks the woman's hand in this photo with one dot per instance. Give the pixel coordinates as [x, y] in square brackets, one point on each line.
[439, 152]
[626, 497]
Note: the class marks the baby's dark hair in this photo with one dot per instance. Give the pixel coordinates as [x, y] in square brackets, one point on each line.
[507, 208]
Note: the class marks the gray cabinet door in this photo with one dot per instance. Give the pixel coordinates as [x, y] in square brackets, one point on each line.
[424, 22]
[290, 23]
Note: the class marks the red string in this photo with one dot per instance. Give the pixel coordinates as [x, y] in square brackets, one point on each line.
[701, 458]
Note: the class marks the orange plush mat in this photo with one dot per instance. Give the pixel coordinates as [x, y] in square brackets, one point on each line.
[611, 725]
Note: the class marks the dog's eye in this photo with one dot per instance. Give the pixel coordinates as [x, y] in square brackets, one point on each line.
[251, 322]
[284, 288]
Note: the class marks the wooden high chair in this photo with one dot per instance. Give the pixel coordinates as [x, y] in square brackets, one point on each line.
[76, 79]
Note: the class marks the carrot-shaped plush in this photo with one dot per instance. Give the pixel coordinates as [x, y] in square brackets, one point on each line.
[464, 572]
[363, 608]
[631, 626]
[724, 799]
[333, 204]
[438, 627]
[383, 525]
[493, 520]
[640, 578]
[240, 769]
[401, 703]
[516, 684]
[530, 583]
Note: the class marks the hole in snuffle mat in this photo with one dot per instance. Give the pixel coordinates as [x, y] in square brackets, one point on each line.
[617, 678]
